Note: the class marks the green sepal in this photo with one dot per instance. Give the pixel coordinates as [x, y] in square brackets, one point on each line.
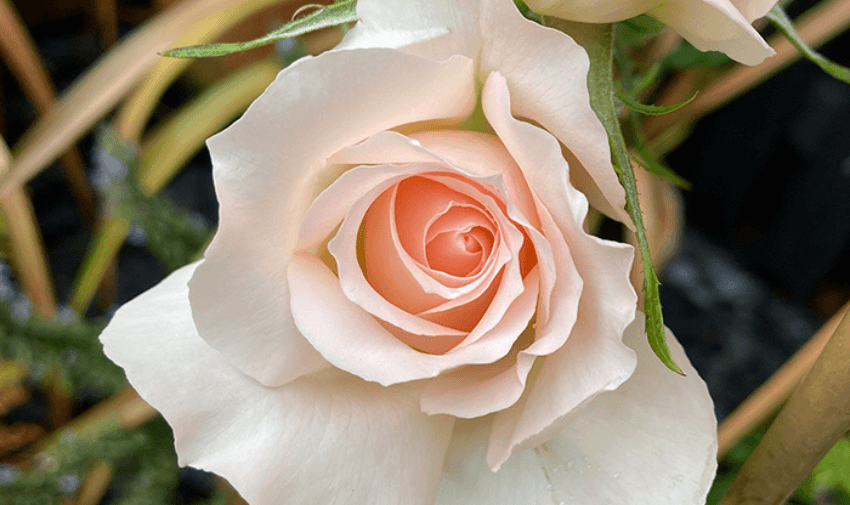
[783, 23]
[598, 41]
[344, 11]
[650, 110]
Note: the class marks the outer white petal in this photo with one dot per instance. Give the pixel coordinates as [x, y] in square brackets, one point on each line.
[468, 481]
[754, 9]
[546, 72]
[651, 442]
[326, 438]
[592, 11]
[710, 25]
[268, 167]
[716, 25]
[435, 29]
[593, 359]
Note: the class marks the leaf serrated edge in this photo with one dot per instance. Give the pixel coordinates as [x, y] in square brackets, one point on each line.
[598, 41]
[344, 11]
[783, 23]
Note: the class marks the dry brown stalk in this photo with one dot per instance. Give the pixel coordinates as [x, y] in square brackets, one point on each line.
[123, 411]
[815, 417]
[100, 89]
[94, 484]
[815, 27]
[17, 436]
[106, 19]
[11, 398]
[11, 373]
[60, 403]
[19, 52]
[769, 397]
[28, 255]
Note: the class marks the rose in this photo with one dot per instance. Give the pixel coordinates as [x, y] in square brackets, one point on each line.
[710, 25]
[400, 297]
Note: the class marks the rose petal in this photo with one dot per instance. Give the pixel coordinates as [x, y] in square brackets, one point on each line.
[482, 155]
[653, 440]
[593, 11]
[477, 390]
[531, 59]
[273, 442]
[351, 339]
[362, 292]
[266, 177]
[467, 480]
[753, 9]
[340, 198]
[593, 359]
[716, 25]
[485, 155]
[420, 209]
[531, 55]
[435, 30]
[710, 25]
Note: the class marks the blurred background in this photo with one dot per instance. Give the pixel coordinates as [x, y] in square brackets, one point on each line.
[754, 257]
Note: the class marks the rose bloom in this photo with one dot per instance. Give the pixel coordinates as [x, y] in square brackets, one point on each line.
[400, 305]
[710, 25]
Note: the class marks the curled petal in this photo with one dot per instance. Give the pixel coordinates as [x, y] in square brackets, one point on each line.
[435, 30]
[477, 390]
[593, 11]
[710, 25]
[753, 9]
[266, 178]
[273, 442]
[531, 61]
[593, 359]
[653, 440]
[715, 25]
[354, 341]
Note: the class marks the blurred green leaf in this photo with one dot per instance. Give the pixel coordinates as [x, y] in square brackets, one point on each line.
[637, 30]
[344, 11]
[834, 469]
[686, 55]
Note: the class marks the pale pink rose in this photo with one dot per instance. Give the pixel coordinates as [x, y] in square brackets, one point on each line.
[400, 299]
[710, 25]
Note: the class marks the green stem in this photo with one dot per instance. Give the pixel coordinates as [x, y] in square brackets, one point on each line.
[783, 23]
[598, 41]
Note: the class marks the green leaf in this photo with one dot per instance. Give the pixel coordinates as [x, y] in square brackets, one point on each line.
[651, 110]
[653, 166]
[784, 24]
[336, 14]
[598, 41]
[834, 469]
[686, 56]
[637, 30]
[649, 161]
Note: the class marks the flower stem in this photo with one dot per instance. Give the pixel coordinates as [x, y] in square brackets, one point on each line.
[598, 41]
